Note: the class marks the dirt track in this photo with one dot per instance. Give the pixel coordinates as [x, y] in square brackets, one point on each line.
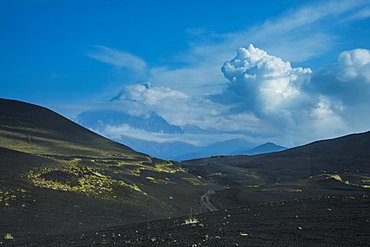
[205, 201]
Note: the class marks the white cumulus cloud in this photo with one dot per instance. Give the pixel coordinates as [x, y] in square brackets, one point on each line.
[263, 82]
[149, 95]
[266, 86]
[296, 103]
[346, 85]
[348, 81]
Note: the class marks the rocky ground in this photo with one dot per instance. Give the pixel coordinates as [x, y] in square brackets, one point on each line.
[63, 185]
[322, 221]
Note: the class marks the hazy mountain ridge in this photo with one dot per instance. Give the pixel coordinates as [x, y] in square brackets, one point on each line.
[174, 150]
[166, 150]
[181, 151]
[261, 149]
[152, 123]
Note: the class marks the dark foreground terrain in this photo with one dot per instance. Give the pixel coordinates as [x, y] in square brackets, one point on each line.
[63, 185]
[322, 221]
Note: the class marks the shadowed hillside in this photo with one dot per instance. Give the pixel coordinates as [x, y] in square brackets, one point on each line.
[57, 176]
[33, 129]
[294, 173]
[345, 155]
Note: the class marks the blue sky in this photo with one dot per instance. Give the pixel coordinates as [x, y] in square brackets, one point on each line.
[76, 55]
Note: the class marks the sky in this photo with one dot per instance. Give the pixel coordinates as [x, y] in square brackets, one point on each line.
[287, 71]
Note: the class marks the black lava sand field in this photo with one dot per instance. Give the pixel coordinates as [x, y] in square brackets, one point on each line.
[322, 221]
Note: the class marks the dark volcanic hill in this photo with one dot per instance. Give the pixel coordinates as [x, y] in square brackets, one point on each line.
[33, 129]
[334, 165]
[57, 176]
[344, 155]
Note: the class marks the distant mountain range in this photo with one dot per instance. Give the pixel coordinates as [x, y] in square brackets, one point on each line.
[152, 123]
[174, 150]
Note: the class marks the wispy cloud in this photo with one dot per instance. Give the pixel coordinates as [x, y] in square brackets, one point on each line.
[358, 15]
[299, 35]
[119, 58]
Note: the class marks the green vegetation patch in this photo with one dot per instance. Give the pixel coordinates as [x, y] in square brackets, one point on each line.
[281, 190]
[160, 181]
[194, 181]
[135, 169]
[14, 198]
[85, 180]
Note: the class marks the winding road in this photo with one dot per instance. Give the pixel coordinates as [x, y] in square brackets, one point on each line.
[204, 201]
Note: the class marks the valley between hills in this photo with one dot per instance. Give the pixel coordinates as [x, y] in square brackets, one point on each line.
[63, 185]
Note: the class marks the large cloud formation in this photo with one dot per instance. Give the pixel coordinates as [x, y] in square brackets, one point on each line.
[264, 99]
[296, 101]
[345, 87]
[348, 80]
[266, 86]
[269, 80]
